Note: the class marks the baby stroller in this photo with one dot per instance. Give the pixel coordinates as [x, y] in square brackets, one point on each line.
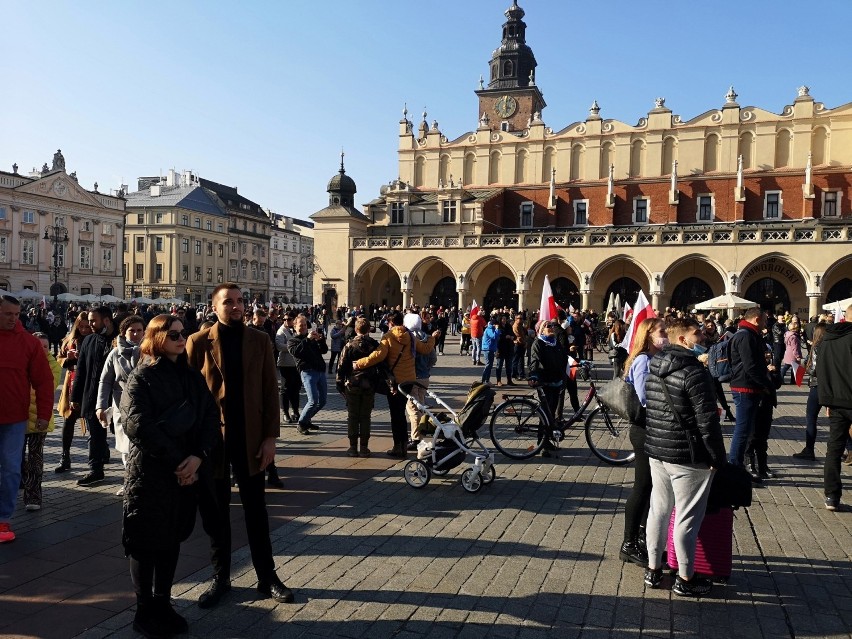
[454, 440]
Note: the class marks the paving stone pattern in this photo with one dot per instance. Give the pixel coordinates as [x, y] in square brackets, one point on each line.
[535, 554]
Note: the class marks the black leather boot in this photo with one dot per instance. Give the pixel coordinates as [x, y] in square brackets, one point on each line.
[752, 467]
[763, 470]
[631, 552]
[64, 462]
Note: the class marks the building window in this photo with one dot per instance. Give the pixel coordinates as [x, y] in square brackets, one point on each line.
[220, 228]
[184, 220]
[244, 270]
[198, 222]
[254, 249]
[4, 248]
[86, 257]
[3, 213]
[220, 275]
[198, 247]
[221, 250]
[158, 218]
[208, 225]
[106, 229]
[233, 269]
[60, 255]
[209, 274]
[830, 203]
[140, 218]
[397, 215]
[158, 272]
[28, 252]
[29, 217]
[773, 205]
[184, 245]
[124, 272]
[140, 268]
[254, 227]
[243, 249]
[581, 212]
[504, 126]
[275, 261]
[197, 273]
[140, 243]
[245, 225]
[124, 244]
[705, 208]
[526, 215]
[59, 220]
[210, 248]
[106, 262]
[640, 210]
[87, 225]
[158, 243]
[233, 247]
[254, 271]
[263, 251]
[275, 243]
[449, 211]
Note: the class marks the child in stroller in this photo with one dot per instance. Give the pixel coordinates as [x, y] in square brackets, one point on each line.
[455, 438]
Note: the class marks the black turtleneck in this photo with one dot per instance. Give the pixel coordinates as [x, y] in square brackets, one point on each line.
[231, 336]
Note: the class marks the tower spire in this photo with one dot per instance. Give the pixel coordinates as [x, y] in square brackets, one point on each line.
[342, 170]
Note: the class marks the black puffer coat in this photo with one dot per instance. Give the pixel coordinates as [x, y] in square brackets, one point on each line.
[694, 397]
[548, 363]
[157, 511]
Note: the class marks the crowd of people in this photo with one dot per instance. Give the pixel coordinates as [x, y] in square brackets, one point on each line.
[196, 398]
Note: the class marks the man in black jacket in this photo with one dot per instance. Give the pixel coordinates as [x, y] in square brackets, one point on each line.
[749, 379]
[835, 391]
[84, 394]
[308, 347]
[684, 445]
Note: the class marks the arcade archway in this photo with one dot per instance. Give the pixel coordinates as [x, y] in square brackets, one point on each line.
[378, 283]
[771, 294]
[565, 293]
[501, 293]
[776, 282]
[621, 275]
[444, 294]
[627, 290]
[690, 292]
[840, 291]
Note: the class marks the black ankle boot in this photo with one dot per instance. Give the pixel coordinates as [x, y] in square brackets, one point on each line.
[64, 462]
[169, 619]
[631, 552]
[763, 470]
[149, 621]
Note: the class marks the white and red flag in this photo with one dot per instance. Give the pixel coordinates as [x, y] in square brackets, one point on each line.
[641, 311]
[572, 368]
[798, 373]
[839, 315]
[547, 308]
[43, 301]
[474, 308]
[627, 310]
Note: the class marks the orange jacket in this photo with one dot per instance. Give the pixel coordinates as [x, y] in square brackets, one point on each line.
[477, 325]
[398, 340]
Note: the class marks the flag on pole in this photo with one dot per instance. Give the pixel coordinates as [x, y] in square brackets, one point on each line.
[43, 302]
[839, 315]
[571, 309]
[474, 308]
[547, 308]
[641, 311]
[572, 368]
[798, 373]
[627, 310]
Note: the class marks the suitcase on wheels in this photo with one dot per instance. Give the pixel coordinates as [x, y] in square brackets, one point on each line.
[714, 548]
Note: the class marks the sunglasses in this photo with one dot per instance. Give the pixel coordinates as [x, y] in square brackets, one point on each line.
[176, 336]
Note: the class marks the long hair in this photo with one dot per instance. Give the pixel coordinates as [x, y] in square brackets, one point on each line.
[819, 331]
[74, 334]
[642, 339]
[156, 335]
[617, 328]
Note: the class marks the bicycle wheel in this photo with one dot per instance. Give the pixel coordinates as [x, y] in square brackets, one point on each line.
[516, 426]
[608, 435]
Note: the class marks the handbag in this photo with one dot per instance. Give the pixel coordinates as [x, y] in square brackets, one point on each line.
[386, 384]
[620, 397]
[178, 419]
[693, 438]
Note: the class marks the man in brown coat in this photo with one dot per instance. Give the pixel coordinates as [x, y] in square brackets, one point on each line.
[239, 367]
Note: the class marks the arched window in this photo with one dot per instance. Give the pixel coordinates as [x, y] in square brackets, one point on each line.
[711, 153]
[521, 161]
[783, 147]
[494, 168]
[548, 163]
[607, 158]
[508, 69]
[494, 71]
[444, 170]
[469, 169]
[637, 158]
[419, 170]
[746, 149]
[578, 155]
[819, 146]
[669, 155]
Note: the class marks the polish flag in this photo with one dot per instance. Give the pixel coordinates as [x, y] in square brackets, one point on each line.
[474, 308]
[798, 373]
[641, 311]
[547, 308]
[571, 309]
[839, 315]
[627, 310]
[572, 368]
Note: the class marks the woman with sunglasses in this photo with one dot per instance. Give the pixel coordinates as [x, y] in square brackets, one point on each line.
[548, 363]
[173, 423]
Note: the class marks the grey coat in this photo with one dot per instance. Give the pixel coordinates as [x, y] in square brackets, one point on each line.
[119, 364]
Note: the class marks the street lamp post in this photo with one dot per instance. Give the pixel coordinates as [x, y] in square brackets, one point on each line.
[295, 271]
[57, 235]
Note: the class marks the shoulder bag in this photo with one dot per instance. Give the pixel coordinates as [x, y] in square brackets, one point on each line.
[620, 397]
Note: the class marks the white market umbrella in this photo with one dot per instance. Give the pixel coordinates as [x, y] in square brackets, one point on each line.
[110, 299]
[142, 300]
[29, 294]
[843, 304]
[68, 297]
[89, 297]
[725, 301]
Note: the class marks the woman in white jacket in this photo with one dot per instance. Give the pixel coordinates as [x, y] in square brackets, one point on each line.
[119, 364]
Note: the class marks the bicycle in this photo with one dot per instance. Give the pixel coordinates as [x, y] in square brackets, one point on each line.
[602, 340]
[522, 424]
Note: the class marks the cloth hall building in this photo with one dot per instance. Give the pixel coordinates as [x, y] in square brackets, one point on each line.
[738, 200]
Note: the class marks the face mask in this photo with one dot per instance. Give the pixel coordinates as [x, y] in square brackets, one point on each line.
[698, 349]
[661, 342]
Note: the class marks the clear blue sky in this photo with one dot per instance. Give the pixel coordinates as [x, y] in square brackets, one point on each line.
[263, 95]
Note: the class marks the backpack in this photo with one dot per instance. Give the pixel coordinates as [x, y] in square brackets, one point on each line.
[476, 408]
[719, 359]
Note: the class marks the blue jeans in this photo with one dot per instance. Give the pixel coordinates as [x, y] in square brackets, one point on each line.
[489, 364]
[316, 388]
[746, 406]
[476, 353]
[11, 453]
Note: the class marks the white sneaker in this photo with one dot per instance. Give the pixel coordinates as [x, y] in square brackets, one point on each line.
[120, 491]
[33, 507]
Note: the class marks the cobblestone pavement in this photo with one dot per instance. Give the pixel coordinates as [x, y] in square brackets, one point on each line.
[535, 554]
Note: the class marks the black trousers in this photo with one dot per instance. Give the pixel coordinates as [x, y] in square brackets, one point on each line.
[838, 437]
[636, 508]
[759, 442]
[153, 575]
[215, 508]
[291, 384]
[399, 419]
[98, 447]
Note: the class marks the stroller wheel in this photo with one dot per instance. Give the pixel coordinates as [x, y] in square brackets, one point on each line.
[417, 474]
[489, 476]
[469, 483]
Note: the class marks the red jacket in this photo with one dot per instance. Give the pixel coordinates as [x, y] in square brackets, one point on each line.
[23, 364]
[477, 325]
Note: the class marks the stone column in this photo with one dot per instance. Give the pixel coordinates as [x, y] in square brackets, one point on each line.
[406, 297]
[522, 297]
[814, 305]
[462, 299]
[655, 301]
[586, 299]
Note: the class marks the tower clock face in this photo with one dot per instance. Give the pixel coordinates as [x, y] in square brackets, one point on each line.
[506, 106]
